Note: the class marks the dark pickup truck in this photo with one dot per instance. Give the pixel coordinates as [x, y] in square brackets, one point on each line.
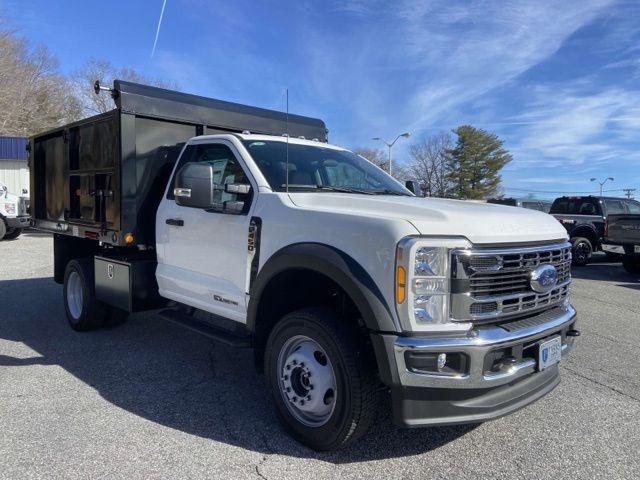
[623, 238]
[585, 219]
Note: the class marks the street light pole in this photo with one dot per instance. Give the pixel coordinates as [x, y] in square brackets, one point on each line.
[602, 182]
[391, 144]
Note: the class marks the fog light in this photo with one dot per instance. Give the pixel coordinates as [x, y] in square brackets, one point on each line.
[446, 364]
[442, 360]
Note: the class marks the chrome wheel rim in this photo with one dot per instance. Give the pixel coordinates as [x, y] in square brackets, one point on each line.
[307, 381]
[74, 295]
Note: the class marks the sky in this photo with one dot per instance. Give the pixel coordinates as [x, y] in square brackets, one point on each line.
[558, 81]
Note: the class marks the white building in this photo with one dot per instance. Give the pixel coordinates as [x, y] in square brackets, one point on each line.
[14, 172]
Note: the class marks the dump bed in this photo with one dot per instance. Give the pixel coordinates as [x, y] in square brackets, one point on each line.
[103, 177]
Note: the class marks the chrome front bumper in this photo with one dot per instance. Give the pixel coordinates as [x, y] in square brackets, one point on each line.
[476, 345]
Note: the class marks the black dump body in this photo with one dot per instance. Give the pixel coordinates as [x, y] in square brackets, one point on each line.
[103, 177]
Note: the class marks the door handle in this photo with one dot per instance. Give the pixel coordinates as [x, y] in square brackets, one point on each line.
[176, 222]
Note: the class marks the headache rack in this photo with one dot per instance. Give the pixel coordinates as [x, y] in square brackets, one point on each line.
[492, 285]
[103, 177]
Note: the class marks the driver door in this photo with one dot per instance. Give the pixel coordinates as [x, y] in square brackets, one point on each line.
[202, 254]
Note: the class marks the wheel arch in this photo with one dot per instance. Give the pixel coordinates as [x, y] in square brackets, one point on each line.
[332, 264]
[589, 232]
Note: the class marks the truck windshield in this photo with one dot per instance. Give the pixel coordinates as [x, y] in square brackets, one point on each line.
[318, 168]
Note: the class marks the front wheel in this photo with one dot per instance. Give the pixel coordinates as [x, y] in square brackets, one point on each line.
[322, 378]
[581, 252]
[12, 233]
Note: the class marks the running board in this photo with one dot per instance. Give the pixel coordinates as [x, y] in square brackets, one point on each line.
[218, 334]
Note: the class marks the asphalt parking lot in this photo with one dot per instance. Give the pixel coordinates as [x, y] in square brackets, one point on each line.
[148, 399]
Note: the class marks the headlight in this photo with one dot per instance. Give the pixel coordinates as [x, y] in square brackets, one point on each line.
[10, 208]
[423, 273]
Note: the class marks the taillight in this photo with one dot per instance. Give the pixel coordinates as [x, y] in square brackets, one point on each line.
[606, 227]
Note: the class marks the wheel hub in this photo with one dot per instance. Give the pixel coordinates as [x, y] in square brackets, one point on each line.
[74, 295]
[307, 381]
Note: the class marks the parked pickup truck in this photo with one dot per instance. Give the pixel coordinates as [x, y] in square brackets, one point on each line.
[13, 213]
[345, 284]
[585, 219]
[623, 238]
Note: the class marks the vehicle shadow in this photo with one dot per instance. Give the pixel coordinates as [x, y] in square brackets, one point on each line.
[176, 378]
[29, 232]
[602, 268]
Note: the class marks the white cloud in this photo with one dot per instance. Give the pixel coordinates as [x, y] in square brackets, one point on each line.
[567, 126]
[413, 64]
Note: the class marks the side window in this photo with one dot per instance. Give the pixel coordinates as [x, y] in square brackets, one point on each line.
[226, 168]
[634, 207]
[614, 207]
[560, 206]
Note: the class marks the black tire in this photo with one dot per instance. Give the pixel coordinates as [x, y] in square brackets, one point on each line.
[631, 264]
[3, 229]
[12, 234]
[357, 385]
[581, 251]
[87, 313]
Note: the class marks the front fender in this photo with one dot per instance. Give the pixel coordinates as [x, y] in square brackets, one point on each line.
[336, 265]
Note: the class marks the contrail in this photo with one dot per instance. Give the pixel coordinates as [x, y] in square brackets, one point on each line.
[155, 41]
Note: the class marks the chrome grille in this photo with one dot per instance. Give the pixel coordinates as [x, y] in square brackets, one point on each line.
[496, 283]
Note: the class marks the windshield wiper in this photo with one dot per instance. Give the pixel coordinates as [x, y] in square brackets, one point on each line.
[387, 191]
[343, 189]
[330, 188]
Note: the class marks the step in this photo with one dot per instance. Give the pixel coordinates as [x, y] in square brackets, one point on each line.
[215, 333]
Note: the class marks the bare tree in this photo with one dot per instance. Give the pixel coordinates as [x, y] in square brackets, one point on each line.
[428, 163]
[103, 71]
[374, 155]
[33, 96]
[380, 159]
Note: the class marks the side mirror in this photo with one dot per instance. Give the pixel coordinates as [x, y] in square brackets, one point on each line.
[194, 185]
[413, 187]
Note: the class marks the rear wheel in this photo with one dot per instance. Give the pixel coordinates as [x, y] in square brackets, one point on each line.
[12, 233]
[631, 264]
[3, 229]
[582, 250]
[83, 311]
[322, 378]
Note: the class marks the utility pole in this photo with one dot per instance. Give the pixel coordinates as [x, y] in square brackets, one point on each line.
[629, 192]
[390, 144]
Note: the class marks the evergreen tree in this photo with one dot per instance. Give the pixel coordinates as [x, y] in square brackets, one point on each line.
[475, 162]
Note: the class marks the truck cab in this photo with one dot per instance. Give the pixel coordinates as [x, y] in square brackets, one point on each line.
[348, 288]
[14, 214]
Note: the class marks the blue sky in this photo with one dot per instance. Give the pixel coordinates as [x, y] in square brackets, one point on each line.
[559, 81]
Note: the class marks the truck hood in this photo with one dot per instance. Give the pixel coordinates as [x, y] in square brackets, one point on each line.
[480, 223]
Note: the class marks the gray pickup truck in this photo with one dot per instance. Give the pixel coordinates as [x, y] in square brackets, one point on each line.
[622, 236]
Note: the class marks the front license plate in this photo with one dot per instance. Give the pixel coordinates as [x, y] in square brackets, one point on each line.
[549, 353]
[636, 248]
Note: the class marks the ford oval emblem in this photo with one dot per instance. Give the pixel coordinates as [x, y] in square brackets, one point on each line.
[543, 278]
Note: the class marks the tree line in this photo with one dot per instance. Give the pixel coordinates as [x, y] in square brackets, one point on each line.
[466, 167]
[35, 96]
